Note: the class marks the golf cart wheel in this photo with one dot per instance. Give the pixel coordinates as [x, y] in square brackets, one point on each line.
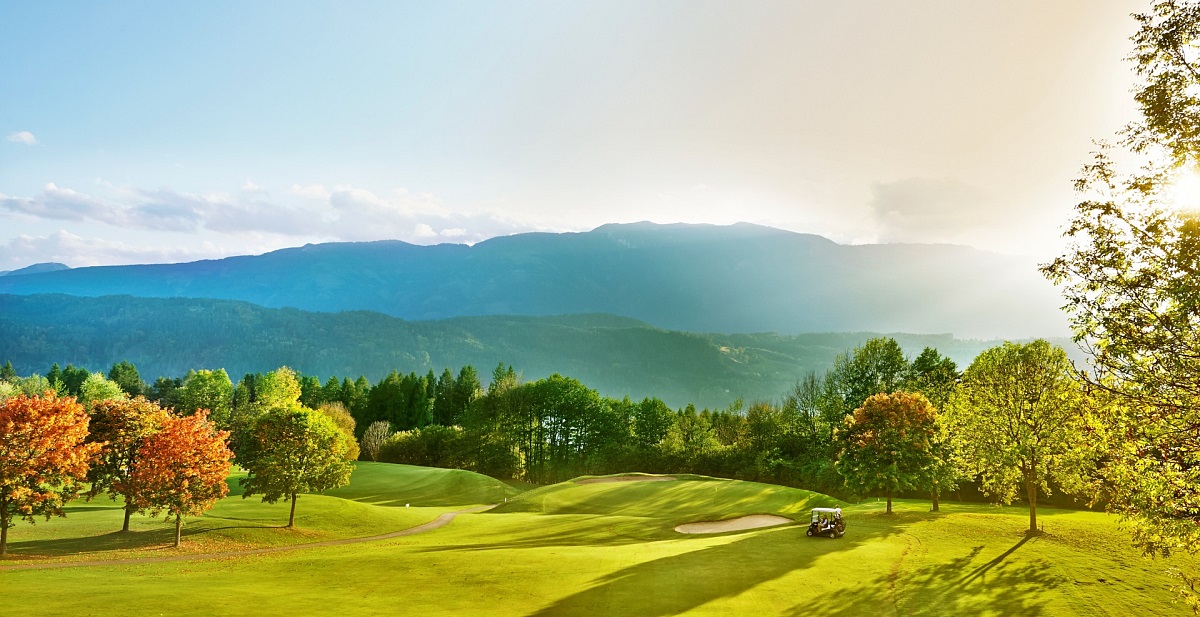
[808, 532]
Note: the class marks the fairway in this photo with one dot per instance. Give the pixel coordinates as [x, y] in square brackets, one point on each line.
[592, 548]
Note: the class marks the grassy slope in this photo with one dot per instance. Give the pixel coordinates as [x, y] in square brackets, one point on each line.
[361, 509]
[608, 549]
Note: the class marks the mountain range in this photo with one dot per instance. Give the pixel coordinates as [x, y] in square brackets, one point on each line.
[695, 278]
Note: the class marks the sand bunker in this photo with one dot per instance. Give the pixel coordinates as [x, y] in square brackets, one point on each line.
[734, 524]
[625, 479]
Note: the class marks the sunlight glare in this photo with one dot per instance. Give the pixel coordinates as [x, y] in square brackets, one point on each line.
[1184, 192]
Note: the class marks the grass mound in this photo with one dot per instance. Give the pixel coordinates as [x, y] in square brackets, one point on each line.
[689, 498]
[387, 484]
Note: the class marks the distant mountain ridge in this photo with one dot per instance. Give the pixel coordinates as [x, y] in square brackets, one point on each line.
[697, 278]
[50, 266]
[616, 355]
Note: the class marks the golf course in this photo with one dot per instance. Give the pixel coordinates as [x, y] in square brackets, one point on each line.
[590, 546]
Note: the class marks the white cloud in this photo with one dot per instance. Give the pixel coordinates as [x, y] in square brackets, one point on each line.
[244, 218]
[312, 191]
[76, 251]
[23, 137]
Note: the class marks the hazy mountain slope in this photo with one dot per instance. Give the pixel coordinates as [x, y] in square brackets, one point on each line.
[699, 278]
[616, 355]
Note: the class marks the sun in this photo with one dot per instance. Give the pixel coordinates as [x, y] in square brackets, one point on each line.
[1184, 192]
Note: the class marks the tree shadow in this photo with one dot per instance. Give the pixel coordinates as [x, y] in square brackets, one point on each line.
[161, 538]
[947, 588]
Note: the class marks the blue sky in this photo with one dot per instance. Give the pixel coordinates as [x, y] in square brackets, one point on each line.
[149, 132]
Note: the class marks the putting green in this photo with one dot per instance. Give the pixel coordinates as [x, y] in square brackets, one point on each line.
[611, 549]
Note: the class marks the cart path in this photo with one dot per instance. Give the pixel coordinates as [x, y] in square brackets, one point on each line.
[441, 521]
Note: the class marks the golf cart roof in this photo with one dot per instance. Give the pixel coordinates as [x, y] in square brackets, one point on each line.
[819, 510]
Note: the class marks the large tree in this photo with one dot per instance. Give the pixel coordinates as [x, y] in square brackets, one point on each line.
[1131, 278]
[43, 457]
[1019, 417]
[181, 469]
[293, 450]
[120, 427]
[888, 444]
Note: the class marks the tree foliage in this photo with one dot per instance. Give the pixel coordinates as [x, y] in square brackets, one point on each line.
[207, 389]
[181, 469]
[1020, 420]
[1131, 278]
[120, 427]
[294, 450]
[44, 457]
[888, 444]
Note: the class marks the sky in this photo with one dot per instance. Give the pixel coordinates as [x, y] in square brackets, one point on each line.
[146, 132]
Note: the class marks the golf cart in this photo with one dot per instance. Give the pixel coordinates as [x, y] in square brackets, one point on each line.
[826, 522]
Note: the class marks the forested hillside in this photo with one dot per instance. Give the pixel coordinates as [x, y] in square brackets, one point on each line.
[694, 278]
[618, 356]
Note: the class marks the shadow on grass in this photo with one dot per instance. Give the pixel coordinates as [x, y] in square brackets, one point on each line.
[949, 588]
[678, 583]
[115, 541]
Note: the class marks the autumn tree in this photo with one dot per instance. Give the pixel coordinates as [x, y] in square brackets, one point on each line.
[1019, 418]
[341, 417]
[888, 443]
[181, 469]
[44, 457]
[120, 427]
[294, 450]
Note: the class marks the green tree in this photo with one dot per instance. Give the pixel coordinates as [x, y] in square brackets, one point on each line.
[8, 373]
[96, 387]
[878, 366]
[887, 444]
[1131, 279]
[651, 421]
[1019, 418]
[293, 450]
[207, 389]
[125, 374]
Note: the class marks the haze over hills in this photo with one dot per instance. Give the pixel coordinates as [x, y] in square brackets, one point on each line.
[697, 278]
[616, 355]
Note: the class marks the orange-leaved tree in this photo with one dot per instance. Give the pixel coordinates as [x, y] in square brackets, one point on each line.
[121, 426]
[43, 457]
[889, 444]
[181, 469]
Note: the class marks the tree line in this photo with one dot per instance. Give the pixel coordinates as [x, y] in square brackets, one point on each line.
[876, 422]
[67, 435]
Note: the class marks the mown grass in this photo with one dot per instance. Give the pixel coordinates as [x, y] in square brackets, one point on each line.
[609, 549]
[368, 506]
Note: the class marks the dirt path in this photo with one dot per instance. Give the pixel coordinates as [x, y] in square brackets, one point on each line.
[441, 521]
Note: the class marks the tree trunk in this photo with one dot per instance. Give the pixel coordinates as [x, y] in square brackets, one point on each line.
[3, 528]
[889, 497]
[292, 515]
[935, 499]
[128, 512]
[1031, 491]
[178, 528]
